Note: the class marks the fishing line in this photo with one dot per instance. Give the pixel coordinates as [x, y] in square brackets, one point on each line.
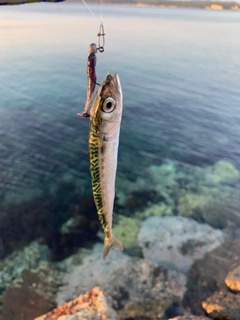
[92, 11]
[101, 34]
[101, 10]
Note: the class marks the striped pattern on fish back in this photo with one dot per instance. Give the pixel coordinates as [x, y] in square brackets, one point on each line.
[95, 174]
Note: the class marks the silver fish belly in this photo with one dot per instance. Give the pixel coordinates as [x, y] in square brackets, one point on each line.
[105, 121]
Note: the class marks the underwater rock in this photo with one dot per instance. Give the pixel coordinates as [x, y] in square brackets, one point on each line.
[28, 273]
[144, 289]
[29, 258]
[71, 223]
[164, 175]
[78, 231]
[217, 206]
[172, 180]
[192, 201]
[154, 185]
[92, 272]
[207, 275]
[124, 187]
[38, 219]
[133, 287]
[222, 171]
[90, 306]
[223, 305]
[156, 210]
[126, 231]
[139, 200]
[23, 303]
[163, 180]
[176, 242]
[232, 279]
[197, 193]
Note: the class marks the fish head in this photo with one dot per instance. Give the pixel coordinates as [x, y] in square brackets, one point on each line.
[106, 111]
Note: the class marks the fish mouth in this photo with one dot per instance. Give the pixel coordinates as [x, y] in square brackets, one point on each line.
[112, 78]
[116, 80]
[112, 81]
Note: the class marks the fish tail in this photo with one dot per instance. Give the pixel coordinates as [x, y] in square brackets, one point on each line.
[110, 242]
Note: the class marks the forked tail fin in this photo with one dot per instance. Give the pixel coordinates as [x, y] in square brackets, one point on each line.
[109, 243]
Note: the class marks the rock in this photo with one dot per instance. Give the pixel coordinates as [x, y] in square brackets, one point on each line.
[207, 275]
[90, 306]
[163, 176]
[223, 305]
[222, 171]
[70, 224]
[156, 210]
[143, 289]
[191, 201]
[126, 231]
[23, 303]
[92, 272]
[124, 187]
[28, 278]
[33, 257]
[176, 242]
[217, 206]
[133, 287]
[190, 318]
[232, 280]
[161, 179]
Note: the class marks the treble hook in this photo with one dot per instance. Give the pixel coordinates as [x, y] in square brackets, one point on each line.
[101, 38]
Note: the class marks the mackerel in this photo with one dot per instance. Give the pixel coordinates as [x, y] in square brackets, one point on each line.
[105, 121]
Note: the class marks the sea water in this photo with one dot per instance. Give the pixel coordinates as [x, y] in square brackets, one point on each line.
[179, 71]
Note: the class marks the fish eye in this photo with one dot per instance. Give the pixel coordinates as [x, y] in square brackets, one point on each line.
[108, 105]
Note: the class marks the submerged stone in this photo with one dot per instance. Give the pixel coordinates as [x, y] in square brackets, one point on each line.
[23, 303]
[158, 210]
[191, 201]
[126, 231]
[222, 171]
[133, 287]
[176, 242]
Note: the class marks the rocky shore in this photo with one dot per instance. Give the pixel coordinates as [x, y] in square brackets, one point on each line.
[180, 226]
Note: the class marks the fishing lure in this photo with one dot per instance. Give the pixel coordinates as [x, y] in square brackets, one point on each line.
[105, 121]
[91, 77]
[91, 73]
[92, 61]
